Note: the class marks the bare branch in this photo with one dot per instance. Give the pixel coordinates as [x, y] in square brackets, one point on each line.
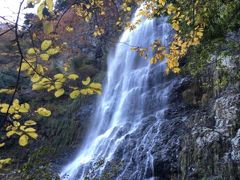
[20, 65]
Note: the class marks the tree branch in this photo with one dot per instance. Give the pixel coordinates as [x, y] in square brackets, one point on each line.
[20, 65]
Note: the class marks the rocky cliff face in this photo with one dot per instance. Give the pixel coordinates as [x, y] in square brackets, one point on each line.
[200, 138]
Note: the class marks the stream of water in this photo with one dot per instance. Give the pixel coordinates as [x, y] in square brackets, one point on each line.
[129, 112]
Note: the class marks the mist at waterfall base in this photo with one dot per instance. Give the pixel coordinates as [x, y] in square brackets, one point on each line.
[120, 143]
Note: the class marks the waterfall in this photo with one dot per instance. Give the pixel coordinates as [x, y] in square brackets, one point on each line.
[119, 144]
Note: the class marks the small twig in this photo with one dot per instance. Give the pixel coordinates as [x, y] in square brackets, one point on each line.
[5, 32]
[62, 15]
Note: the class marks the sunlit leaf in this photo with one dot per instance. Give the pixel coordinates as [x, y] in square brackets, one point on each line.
[75, 94]
[44, 57]
[59, 93]
[46, 44]
[23, 140]
[73, 76]
[87, 81]
[43, 112]
[30, 123]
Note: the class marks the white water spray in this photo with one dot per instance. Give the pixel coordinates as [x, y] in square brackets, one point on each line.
[120, 113]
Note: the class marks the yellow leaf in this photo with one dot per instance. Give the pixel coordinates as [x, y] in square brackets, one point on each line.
[25, 66]
[47, 27]
[35, 78]
[37, 86]
[50, 5]
[40, 69]
[96, 86]
[129, 9]
[17, 116]
[11, 110]
[69, 29]
[4, 110]
[30, 123]
[16, 124]
[43, 112]
[50, 88]
[73, 76]
[59, 76]
[22, 128]
[75, 94]
[46, 44]
[4, 162]
[87, 81]
[59, 93]
[30, 130]
[31, 51]
[53, 51]
[23, 140]
[176, 70]
[10, 133]
[162, 2]
[24, 108]
[84, 91]
[40, 11]
[90, 91]
[98, 91]
[33, 135]
[16, 104]
[2, 144]
[44, 57]
[7, 91]
[58, 85]
[4, 105]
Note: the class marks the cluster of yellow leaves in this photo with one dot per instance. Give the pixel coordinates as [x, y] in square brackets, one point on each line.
[69, 28]
[31, 65]
[180, 43]
[99, 31]
[19, 126]
[86, 9]
[90, 88]
[141, 51]
[16, 110]
[58, 81]
[126, 6]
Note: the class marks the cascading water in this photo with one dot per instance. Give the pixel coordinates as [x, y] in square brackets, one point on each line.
[120, 143]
